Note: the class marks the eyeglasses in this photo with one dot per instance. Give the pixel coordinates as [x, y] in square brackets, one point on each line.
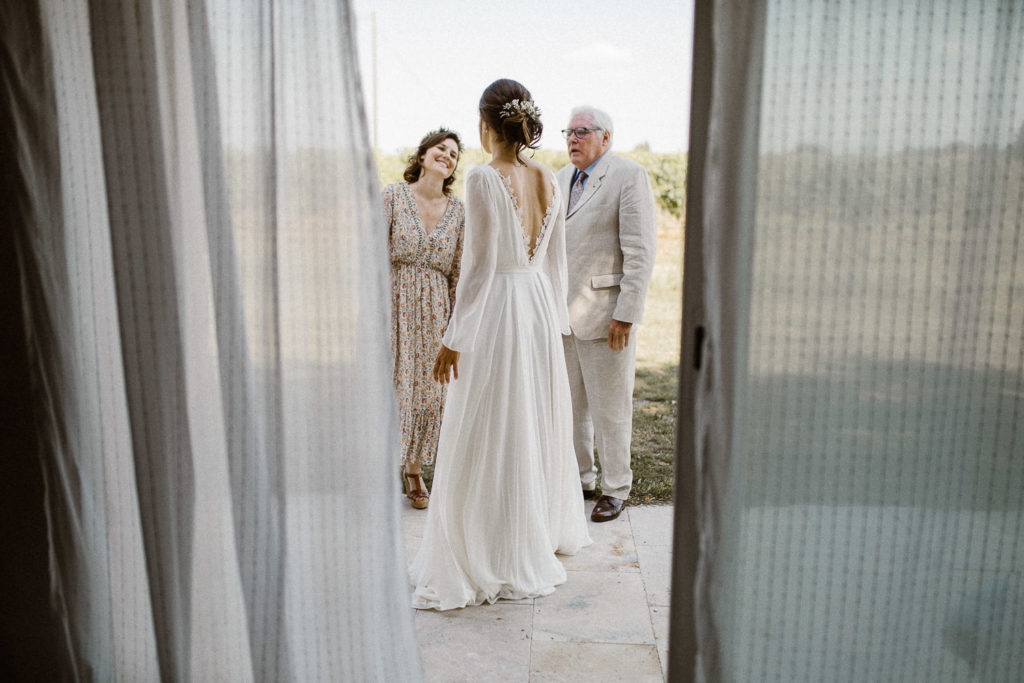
[581, 133]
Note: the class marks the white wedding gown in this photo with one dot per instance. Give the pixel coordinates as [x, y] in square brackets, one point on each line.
[506, 494]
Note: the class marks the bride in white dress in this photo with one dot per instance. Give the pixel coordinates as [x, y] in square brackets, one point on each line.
[506, 492]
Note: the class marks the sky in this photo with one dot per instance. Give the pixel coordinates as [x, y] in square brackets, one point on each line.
[435, 57]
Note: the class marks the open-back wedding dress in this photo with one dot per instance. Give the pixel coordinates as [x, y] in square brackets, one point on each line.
[506, 493]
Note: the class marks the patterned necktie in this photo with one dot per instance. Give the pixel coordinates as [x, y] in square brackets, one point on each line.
[576, 191]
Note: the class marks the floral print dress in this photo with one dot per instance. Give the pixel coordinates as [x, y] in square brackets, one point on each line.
[424, 272]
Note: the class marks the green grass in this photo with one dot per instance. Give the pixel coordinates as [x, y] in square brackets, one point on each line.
[657, 370]
[654, 434]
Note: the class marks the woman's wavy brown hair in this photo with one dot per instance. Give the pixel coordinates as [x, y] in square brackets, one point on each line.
[520, 128]
[434, 137]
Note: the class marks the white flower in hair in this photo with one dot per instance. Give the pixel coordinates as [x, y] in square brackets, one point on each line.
[520, 107]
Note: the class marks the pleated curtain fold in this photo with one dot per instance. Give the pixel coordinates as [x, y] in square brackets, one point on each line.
[850, 501]
[204, 276]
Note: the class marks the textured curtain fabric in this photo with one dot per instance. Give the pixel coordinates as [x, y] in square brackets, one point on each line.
[859, 436]
[204, 277]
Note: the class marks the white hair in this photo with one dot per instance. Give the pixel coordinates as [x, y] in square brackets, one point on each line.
[601, 119]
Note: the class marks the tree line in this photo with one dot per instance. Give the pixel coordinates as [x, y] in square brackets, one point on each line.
[666, 171]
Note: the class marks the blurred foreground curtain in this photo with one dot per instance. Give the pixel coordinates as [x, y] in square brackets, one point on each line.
[203, 276]
[852, 397]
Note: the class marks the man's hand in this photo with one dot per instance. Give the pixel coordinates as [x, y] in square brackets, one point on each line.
[618, 335]
[447, 360]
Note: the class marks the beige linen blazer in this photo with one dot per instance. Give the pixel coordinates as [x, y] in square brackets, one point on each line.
[610, 240]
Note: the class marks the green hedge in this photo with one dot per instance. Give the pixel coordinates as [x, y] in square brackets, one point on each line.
[666, 171]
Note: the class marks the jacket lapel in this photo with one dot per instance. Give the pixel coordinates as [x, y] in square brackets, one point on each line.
[593, 184]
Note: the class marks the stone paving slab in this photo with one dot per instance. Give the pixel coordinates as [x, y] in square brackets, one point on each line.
[565, 662]
[659, 619]
[613, 549]
[596, 607]
[608, 622]
[651, 524]
[655, 562]
[485, 643]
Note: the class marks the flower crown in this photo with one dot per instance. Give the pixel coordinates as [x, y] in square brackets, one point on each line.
[526, 107]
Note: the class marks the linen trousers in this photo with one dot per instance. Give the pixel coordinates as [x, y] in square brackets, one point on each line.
[601, 383]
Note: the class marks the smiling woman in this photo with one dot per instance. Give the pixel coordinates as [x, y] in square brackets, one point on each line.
[425, 227]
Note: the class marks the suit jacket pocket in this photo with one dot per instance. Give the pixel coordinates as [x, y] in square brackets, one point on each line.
[603, 281]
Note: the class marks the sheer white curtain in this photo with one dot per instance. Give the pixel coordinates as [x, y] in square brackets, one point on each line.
[204, 277]
[855, 461]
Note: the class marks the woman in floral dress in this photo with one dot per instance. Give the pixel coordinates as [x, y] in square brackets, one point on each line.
[425, 225]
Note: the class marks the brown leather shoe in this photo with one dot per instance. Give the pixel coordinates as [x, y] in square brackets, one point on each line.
[589, 493]
[607, 509]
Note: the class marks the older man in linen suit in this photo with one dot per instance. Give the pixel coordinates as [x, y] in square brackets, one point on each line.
[610, 235]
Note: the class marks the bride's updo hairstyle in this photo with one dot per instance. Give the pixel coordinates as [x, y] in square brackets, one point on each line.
[509, 109]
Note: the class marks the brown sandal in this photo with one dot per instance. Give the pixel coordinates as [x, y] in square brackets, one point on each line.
[416, 490]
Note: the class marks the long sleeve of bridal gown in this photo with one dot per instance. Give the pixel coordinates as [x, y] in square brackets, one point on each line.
[506, 495]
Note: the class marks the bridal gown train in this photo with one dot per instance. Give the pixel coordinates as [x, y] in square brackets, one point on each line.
[506, 493]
